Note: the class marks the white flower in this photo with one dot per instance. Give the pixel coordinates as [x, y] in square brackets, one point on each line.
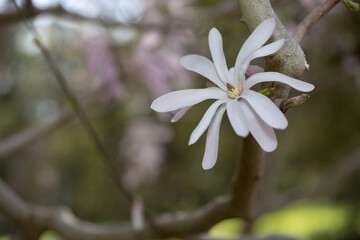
[247, 110]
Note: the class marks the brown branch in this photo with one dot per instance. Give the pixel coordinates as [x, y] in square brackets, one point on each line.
[30, 136]
[318, 187]
[13, 17]
[293, 102]
[247, 175]
[78, 109]
[314, 16]
[35, 220]
[27, 137]
[179, 224]
[288, 60]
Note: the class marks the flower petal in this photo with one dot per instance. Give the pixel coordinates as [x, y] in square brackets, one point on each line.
[262, 133]
[237, 118]
[212, 140]
[253, 69]
[278, 77]
[267, 50]
[205, 121]
[217, 53]
[258, 38]
[184, 98]
[266, 109]
[202, 66]
[180, 114]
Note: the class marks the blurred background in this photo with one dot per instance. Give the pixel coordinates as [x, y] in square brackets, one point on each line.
[117, 57]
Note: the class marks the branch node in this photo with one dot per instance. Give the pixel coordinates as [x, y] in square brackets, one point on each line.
[293, 102]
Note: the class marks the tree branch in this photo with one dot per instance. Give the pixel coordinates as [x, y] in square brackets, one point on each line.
[78, 109]
[318, 187]
[288, 60]
[314, 16]
[37, 219]
[13, 17]
[30, 136]
[247, 175]
[293, 102]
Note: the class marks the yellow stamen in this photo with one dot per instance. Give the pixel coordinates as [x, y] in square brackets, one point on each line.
[232, 91]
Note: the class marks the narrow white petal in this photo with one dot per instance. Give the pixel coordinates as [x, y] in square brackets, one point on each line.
[217, 53]
[232, 73]
[184, 98]
[258, 38]
[266, 109]
[237, 118]
[253, 69]
[262, 133]
[212, 140]
[180, 114]
[202, 66]
[205, 121]
[278, 77]
[267, 50]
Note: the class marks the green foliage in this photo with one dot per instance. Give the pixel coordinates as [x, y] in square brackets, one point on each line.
[353, 6]
[50, 235]
[229, 228]
[267, 91]
[304, 220]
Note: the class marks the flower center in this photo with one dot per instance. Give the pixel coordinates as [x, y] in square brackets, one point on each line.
[232, 91]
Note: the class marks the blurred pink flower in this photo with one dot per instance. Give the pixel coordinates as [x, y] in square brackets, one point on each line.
[248, 111]
[103, 69]
[143, 147]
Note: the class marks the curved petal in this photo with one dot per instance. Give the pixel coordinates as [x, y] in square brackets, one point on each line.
[184, 98]
[265, 109]
[267, 50]
[262, 133]
[237, 118]
[278, 77]
[202, 66]
[217, 53]
[180, 114]
[205, 121]
[258, 38]
[232, 72]
[253, 69]
[212, 140]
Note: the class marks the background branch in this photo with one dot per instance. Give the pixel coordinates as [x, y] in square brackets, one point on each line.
[25, 138]
[314, 16]
[78, 109]
[318, 187]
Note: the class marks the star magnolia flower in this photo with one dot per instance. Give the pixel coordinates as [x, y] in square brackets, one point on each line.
[247, 110]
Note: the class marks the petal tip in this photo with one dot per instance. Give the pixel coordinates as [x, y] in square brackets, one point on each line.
[270, 148]
[206, 166]
[308, 88]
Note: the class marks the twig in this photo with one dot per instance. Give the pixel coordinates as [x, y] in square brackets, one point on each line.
[7, 18]
[318, 187]
[78, 109]
[314, 16]
[30, 136]
[37, 219]
[293, 102]
[27, 137]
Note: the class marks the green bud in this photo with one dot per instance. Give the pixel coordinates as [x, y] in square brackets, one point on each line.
[267, 91]
[353, 6]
